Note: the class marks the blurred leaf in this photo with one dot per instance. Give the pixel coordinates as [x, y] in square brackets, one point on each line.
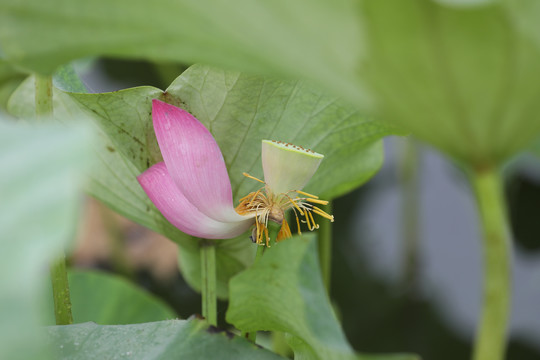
[40, 200]
[284, 292]
[296, 38]
[173, 339]
[108, 299]
[464, 79]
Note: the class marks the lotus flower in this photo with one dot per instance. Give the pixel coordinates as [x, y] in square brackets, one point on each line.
[191, 187]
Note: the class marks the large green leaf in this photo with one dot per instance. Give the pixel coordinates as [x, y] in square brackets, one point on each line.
[173, 339]
[108, 299]
[316, 38]
[284, 292]
[464, 79]
[40, 202]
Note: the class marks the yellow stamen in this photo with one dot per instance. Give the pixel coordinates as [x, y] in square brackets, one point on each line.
[245, 197]
[315, 225]
[254, 195]
[317, 201]
[307, 221]
[298, 225]
[258, 240]
[322, 213]
[297, 207]
[267, 238]
[306, 194]
[284, 232]
[253, 177]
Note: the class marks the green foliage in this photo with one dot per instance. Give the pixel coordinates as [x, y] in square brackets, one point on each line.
[39, 208]
[108, 299]
[172, 339]
[284, 292]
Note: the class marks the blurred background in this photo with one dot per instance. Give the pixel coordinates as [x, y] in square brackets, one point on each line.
[406, 272]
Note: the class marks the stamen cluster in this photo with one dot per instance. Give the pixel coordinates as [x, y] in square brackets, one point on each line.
[269, 206]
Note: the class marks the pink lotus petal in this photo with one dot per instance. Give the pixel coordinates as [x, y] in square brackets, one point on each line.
[194, 161]
[162, 191]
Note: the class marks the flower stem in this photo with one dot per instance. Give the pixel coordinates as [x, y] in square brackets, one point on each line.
[60, 286]
[44, 96]
[491, 335]
[208, 281]
[59, 279]
[325, 247]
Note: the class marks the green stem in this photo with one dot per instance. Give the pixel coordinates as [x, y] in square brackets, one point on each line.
[44, 96]
[325, 247]
[491, 335]
[60, 286]
[59, 279]
[208, 281]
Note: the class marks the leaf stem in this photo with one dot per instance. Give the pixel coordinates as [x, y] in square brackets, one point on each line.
[43, 96]
[208, 286]
[491, 335]
[60, 286]
[325, 247]
[59, 279]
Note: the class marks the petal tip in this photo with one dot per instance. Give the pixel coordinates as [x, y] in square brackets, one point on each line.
[159, 105]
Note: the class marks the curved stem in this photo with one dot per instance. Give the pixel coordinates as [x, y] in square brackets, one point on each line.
[208, 281]
[491, 335]
[59, 279]
[325, 247]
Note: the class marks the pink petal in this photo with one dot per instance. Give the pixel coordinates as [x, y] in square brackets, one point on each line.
[194, 161]
[162, 191]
